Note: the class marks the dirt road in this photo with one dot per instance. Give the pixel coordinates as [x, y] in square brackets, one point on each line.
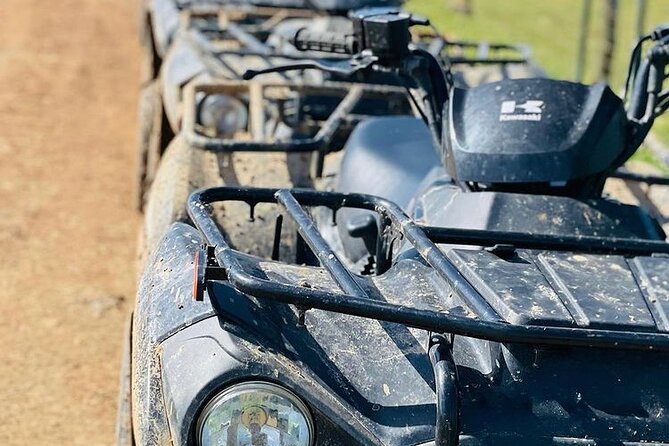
[68, 85]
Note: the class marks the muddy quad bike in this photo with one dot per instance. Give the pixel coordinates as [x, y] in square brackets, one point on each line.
[214, 113]
[222, 122]
[506, 301]
[201, 98]
[185, 40]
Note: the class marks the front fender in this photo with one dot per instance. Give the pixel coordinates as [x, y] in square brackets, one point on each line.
[185, 351]
[163, 307]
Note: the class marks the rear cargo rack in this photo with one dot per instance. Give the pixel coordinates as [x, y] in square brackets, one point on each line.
[651, 180]
[395, 225]
[464, 52]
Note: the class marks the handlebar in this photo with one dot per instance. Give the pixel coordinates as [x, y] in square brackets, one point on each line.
[385, 34]
[328, 42]
[380, 40]
[643, 87]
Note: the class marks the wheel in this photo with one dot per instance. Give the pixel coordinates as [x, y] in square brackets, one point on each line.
[150, 63]
[181, 171]
[124, 436]
[149, 140]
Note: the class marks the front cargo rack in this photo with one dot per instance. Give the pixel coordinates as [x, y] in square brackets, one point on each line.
[394, 227]
[346, 105]
[248, 27]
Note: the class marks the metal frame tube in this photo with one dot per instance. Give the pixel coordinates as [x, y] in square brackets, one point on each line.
[447, 426]
[483, 326]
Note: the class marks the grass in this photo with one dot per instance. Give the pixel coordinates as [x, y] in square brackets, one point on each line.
[645, 155]
[551, 29]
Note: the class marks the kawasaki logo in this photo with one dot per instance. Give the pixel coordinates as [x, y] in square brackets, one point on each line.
[527, 111]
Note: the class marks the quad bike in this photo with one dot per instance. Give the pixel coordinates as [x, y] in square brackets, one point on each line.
[464, 282]
[196, 100]
[199, 116]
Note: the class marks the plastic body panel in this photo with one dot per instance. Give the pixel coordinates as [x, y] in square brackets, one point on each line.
[165, 23]
[444, 204]
[369, 382]
[162, 309]
[183, 354]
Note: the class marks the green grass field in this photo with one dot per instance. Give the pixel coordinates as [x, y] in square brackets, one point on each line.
[551, 29]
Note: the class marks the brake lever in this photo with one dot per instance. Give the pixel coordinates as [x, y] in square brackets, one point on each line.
[344, 67]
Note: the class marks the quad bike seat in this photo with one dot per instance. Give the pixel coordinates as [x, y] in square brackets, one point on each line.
[402, 154]
[391, 157]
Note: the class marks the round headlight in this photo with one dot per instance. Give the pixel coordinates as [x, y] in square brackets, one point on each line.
[222, 115]
[255, 414]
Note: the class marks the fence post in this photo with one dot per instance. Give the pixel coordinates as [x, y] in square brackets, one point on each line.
[640, 18]
[583, 40]
[610, 16]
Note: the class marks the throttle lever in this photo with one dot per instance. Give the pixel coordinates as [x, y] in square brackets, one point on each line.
[344, 67]
[415, 19]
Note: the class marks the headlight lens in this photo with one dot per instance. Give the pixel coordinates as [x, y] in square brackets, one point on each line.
[255, 414]
[222, 115]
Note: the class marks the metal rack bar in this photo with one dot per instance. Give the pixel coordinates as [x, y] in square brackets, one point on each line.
[248, 40]
[651, 180]
[577, 243]
[493, 329]
[354, 93]
[456, 60]
[447, 426]
[328, 259]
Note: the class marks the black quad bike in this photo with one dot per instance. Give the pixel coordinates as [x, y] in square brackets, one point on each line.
[464, 282]
[195, 99]
[204, 40]
[203, 125]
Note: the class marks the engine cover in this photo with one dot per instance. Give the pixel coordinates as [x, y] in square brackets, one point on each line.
[534, 131]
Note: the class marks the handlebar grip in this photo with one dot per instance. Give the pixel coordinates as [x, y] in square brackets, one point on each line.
[326, 42]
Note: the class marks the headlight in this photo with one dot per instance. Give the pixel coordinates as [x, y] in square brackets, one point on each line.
[222, 115]
[255, 414]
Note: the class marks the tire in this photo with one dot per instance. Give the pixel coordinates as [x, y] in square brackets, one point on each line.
[124, 435]
[181, 171]
[184, 169]
[149, 141]
[150, 63]
[142, 18]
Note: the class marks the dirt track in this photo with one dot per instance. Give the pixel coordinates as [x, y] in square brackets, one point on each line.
[68, 84]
